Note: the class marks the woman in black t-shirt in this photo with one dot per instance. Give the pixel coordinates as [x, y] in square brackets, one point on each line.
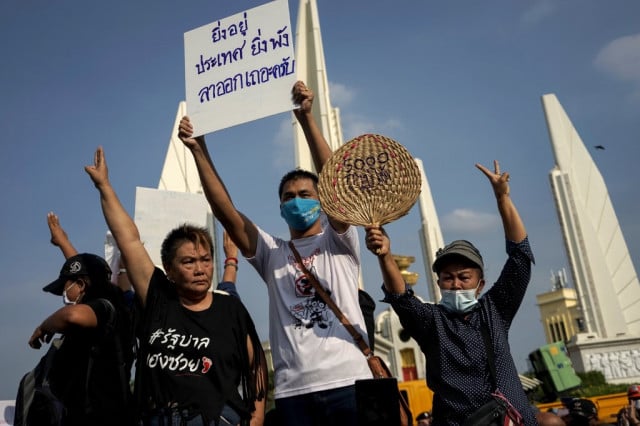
[201, 362]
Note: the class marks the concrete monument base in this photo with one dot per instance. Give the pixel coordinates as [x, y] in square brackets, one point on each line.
[617, 358]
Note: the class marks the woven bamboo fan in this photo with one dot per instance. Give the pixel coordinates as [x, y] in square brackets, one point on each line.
[370, 180]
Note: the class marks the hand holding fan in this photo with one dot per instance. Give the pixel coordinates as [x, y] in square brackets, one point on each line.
[370, 180]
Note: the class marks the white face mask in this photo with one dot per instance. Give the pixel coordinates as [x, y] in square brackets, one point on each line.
[65, 298]
[636, 402]
[459, 301]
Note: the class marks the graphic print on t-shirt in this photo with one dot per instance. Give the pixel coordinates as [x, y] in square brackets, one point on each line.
[312, 310]
[302, 285]
[179, 353]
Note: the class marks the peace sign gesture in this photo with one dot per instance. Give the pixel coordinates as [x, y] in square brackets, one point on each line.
[499, 181]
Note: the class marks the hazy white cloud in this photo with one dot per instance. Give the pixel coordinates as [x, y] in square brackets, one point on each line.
[538, 11]
[340, 94]
[621, 58]
[355, 125]
[469, 221]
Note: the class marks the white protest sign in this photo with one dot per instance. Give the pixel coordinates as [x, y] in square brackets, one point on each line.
[240, 68]
[157, 212]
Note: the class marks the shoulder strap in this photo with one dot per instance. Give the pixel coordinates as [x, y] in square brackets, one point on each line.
[484, 330]
[357, 337]
[110, 330]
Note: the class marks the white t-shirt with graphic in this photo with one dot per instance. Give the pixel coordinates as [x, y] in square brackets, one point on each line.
[311, 349]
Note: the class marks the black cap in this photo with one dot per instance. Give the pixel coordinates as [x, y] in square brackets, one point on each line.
[581, 407]
[459, 248]
[84, 264]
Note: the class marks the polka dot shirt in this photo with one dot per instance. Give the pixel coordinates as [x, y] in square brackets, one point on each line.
[457, 363]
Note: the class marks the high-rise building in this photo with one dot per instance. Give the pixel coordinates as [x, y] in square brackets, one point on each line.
[604, 278]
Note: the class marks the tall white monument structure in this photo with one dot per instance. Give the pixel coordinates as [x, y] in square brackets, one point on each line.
[311, 69]
[430, 234]
[179, 172]
[178, 199]
[603, 274]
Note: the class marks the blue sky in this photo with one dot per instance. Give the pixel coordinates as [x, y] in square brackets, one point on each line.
[455, 82]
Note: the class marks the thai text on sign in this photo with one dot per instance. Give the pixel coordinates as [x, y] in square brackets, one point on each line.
[240, 68]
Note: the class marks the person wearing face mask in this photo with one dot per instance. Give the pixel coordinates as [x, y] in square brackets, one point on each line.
[200, 361]
[316, 361]
[450, 332]
[630, 414]
[90, 372]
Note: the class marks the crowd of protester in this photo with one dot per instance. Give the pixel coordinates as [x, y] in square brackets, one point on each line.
[198, 357]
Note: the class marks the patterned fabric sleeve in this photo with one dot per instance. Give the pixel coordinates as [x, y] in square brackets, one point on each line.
[415, 316]
[509, 290]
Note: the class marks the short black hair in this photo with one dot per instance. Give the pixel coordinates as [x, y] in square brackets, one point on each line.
[296, 174]
[176, 237]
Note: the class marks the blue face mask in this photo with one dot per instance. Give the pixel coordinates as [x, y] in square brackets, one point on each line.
[459, 301]
[300, 213]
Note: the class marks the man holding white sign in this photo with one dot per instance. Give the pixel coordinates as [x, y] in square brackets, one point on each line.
[315, 359]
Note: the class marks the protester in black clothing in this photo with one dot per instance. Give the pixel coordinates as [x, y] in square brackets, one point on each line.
[60, 239]
[581, 412]
[200, 360]
[90, 371]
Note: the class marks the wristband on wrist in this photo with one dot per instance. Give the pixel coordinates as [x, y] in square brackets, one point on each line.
[232, 259]
[235, 265]
[122, 271]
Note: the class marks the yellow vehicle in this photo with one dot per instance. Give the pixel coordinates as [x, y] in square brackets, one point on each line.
[608, 405]
[420, 397]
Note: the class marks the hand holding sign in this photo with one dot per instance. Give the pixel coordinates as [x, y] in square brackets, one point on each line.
[239, 68]
[370, 180]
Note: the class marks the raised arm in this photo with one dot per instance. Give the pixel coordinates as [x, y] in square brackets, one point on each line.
[241, 230]
[320, 149]
[122, 280]
[318, 146]
[59, 238]
[378, 243]
[514, 229]
[230, 272]
[139, 265]
[63, 319]
[230, 267]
